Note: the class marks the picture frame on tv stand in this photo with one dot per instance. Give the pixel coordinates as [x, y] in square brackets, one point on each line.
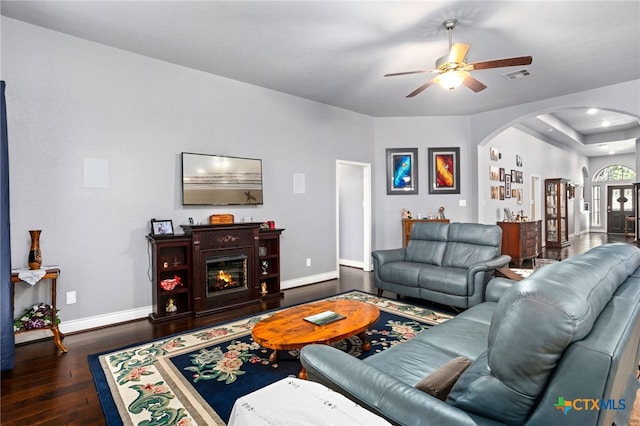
[161, 227]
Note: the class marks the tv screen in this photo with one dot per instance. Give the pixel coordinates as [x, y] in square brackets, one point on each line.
[219, 180]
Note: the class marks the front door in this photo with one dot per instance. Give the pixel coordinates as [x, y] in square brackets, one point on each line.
[619, 206]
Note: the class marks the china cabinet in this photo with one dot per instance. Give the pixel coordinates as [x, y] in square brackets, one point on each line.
[636, 209]
[556, 217]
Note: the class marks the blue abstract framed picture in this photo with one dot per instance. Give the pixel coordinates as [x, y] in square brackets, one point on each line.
[402, 171]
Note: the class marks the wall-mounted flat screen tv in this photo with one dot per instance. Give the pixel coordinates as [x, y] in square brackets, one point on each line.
[219, 180]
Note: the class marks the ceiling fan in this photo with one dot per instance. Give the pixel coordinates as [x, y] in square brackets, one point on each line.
[453, 71]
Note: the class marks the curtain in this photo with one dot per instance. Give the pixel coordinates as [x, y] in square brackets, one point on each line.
[7, 342]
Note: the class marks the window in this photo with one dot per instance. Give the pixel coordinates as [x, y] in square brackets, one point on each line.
[595, 203]
[616, 172]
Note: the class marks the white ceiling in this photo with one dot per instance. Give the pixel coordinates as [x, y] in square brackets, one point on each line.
[336, 52]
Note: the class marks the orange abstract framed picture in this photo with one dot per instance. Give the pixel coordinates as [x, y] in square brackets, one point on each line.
[444, 170]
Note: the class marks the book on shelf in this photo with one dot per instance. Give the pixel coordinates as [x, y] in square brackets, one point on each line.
[325, 317]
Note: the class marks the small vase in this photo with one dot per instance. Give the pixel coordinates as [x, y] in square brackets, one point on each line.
[35, 255]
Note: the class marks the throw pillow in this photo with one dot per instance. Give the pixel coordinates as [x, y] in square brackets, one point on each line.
[440, 382]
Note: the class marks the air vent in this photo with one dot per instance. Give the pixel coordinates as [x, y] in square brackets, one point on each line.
[515, 75]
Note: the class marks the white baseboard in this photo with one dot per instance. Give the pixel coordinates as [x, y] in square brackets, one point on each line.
[352, 263]
[81, 324]
[309, 279]
[105, 319]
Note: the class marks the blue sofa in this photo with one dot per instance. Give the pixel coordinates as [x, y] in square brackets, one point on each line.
[559, 347]
[445, 263]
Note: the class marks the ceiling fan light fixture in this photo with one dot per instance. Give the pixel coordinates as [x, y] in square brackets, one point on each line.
[451, 79]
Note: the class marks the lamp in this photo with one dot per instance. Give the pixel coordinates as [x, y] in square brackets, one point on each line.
[451, 79]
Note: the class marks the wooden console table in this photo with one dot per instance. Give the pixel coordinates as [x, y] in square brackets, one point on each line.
[521, 240]
[408, 223]
[50, 274]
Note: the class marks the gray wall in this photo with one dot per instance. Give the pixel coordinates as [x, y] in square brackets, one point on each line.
[421, 133]
[70, 100]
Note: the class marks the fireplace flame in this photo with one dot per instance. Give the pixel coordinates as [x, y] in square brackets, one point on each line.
[223, 276]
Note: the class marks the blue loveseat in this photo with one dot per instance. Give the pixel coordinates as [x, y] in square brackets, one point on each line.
[445, 263]
[559, 347]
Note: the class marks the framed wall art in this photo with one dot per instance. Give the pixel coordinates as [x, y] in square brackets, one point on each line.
[494, 154]
[494, 173]
[402, 171]
[444, 170]
[494, 193]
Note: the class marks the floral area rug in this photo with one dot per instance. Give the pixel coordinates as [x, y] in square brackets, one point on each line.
[194, 378]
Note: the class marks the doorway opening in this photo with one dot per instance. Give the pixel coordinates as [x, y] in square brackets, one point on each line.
[353, 215]
[620, 205]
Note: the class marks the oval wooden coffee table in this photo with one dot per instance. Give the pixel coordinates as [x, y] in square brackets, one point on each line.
[288, 330]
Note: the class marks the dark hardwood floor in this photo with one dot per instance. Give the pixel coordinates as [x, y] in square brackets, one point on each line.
[48, 387]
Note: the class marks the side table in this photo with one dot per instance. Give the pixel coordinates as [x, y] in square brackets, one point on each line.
[50, 274]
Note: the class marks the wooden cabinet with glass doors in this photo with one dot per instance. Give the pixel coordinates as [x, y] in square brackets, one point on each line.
[556, 217]
[636, 210]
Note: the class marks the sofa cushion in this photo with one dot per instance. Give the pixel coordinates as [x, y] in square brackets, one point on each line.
[410, 361]
[444, 279]
[427, 243]
[406, 273]
[440, 382]
[471, 243]
[534, 323]
[465, 335]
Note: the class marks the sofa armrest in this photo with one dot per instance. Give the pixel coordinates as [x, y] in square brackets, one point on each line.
[497, 287]
[486, 266]
[377, 391]
[479, 274]
[489, 265]
[391, 255]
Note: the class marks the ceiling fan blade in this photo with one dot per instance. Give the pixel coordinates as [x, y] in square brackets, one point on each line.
[474, 84]
[458, 52]
[406, 73]
[499, 63]
[420, 89]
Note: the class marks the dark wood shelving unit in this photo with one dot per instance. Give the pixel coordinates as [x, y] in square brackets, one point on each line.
[181, 257]
[171, 260]
[269, 251]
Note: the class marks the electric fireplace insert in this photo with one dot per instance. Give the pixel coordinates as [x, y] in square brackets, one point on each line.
[226, 274]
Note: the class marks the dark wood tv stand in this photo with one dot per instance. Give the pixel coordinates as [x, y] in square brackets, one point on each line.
[186, 257]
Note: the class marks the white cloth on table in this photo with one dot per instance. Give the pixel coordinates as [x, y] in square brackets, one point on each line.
[293, 401]
[31, 276]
